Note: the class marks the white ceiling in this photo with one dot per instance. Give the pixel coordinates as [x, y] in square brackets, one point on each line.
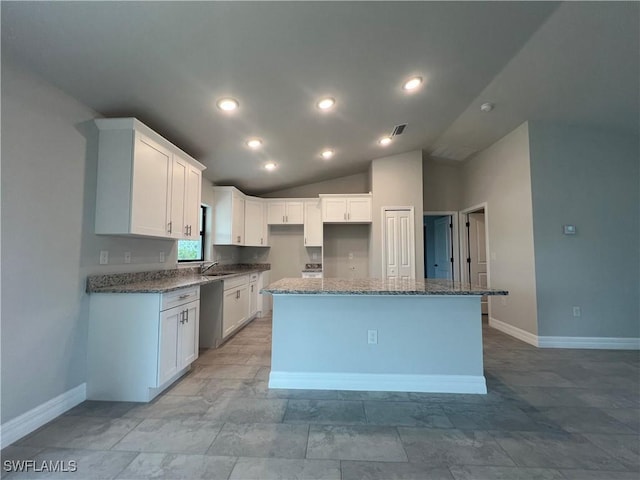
[166, 63]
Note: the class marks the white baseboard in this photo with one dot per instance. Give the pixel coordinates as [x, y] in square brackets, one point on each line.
[26, 423]
[515, 332]
[600, 343]
[379, 382]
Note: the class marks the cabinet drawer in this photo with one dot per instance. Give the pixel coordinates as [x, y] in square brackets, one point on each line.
[235, 282]
[253, 277]
[179, 297]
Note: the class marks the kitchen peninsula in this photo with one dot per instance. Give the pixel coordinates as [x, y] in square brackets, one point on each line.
[377, 335]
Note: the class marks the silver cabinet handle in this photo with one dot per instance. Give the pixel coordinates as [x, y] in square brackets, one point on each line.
[305, 240]
[282, 218]
[183, 296]
[187, 312]
[169, 227]
[260, 240]
[182, 316]
[349, 216]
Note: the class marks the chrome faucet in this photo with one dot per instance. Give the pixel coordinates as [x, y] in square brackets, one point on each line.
[204, 269]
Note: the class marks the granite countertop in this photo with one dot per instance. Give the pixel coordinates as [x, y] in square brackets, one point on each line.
[374, 286]
[167, 280]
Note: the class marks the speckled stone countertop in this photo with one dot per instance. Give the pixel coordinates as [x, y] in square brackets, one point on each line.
[374, 286]
[160, 281]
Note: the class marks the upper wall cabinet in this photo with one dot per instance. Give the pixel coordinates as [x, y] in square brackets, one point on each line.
[312, 223]
[285, 212]
[346, 208]
[146, 185]
[255, 222]
[228, 215]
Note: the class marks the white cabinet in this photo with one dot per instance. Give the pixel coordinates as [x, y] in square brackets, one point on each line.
[228, 216]
[178, 340]
[312, 223]
[285, 212]
[235, 304]
[192, 201]
[139, 343]
[143, 182]
[255, 223]
[346, 208]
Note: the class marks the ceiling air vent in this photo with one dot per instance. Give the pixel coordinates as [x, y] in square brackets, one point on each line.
[398, 129]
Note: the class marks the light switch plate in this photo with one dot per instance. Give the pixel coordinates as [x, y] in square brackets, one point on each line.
[127, 257]
[104, 257]
[569, 229]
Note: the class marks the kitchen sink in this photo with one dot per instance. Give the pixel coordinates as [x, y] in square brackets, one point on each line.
[218, 274]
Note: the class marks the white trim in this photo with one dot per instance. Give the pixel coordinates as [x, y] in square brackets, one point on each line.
[515, 332]
[26, 423]
[600, 343]
[379, 382]
[464, 247]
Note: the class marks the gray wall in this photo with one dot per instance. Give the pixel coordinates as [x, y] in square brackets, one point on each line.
[358, 183]
[396, 181]
[441, 183]
[340, 241]
[588, 178]
[49, 161]
[500, 176]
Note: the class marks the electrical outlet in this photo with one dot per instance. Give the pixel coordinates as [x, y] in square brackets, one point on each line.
[104, 257]
[314, 256]
[162, 257]
[372, 337]
[127, 257]
[350, 255]
[577, 311]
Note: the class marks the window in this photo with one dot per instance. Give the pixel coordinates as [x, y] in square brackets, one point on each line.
[193, 250]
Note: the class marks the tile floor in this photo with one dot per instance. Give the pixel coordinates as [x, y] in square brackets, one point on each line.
[549, 414]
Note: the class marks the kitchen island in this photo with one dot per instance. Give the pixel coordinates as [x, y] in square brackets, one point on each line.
[377, 335]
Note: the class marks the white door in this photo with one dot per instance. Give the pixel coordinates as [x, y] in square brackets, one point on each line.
[237, 229]
[192, 202]
[177, 207]
[334, 210]
[399, 247]
[312, 224]
[294, 213]
[253, 222]
[359, 209]
[276, 213]
[253, 298]
[442, 248]
[478, 253]
[168, 354]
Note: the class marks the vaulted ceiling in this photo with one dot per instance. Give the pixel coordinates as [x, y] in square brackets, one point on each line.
[167, 63]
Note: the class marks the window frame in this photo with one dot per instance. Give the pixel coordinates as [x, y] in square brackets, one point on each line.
[203, 223]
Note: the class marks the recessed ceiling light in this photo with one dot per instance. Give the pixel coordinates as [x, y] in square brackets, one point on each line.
[486, 107]
[326, 103]
[327, 154]
[254, 143]
[412, 84]
[270, 166]
[384, 141]
[227, 104]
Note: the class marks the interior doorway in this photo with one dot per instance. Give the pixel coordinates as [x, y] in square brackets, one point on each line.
[475, 248]
[441, 246]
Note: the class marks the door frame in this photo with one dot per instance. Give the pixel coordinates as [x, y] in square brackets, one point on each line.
[412, 235]
[464, 247]
[455, 239]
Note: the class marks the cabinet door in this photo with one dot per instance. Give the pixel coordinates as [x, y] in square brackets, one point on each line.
[253, 298]
[243, 303]
[237, 228]
[359, 209]
[312, 224]
[276, 213]
[254, 223]
[295, 213]
[168, 353]
[192, 202]
[176, 202]
[150, 188]
[188, 334]
[334, 210]
[229, 311]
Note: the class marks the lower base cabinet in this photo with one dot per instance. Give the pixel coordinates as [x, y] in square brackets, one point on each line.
[140, 343]
[235, 308]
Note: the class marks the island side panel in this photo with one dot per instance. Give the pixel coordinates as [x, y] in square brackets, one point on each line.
[425, 343]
